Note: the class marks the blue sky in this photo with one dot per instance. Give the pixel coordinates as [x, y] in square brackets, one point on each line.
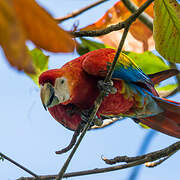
[29, 135]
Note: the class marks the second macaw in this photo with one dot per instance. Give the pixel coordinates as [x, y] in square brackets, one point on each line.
[70, 90]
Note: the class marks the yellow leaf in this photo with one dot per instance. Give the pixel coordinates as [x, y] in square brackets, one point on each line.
[12, 38]
[41, 28]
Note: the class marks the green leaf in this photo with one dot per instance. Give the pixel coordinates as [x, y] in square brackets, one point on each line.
[167, 29]
[148, 62]
[88, 45]
[40, 62]
[166, 90]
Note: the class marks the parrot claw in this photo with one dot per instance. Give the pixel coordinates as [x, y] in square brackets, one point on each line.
[85, 116]
[107, 87]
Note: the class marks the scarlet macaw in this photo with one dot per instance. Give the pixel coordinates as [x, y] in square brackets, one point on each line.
[70, 90]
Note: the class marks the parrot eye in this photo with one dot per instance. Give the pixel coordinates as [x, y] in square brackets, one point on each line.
[62, 81]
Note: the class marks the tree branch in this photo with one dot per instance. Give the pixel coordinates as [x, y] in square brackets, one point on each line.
[103, 92]
[78, 12]
[19, 165]
[115, 27]
[147, 157]
[131, 162]
[145, 18]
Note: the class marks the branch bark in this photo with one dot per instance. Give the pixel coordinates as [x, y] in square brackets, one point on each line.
[131, 162]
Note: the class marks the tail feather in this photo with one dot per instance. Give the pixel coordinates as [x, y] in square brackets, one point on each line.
[168, 121]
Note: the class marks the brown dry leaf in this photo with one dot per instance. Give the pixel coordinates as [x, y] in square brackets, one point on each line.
[12, 38]
[41, 28]
[131, 44]
[139, 37]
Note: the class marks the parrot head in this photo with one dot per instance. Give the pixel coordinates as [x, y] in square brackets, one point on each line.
[54, 88]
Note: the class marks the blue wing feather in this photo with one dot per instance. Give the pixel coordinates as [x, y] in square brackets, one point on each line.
[128, 71]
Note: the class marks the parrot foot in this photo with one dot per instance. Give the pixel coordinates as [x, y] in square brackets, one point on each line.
[85, 114]
[107, 87]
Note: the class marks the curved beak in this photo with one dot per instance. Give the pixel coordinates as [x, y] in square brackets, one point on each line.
[47, 95]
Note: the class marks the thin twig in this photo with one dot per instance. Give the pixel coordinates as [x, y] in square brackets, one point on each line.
[145, 18]
[78, 12]
[19, 165]
[132, 161]
[115, 27]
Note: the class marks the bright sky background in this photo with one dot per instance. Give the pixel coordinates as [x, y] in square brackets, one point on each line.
[30, 136]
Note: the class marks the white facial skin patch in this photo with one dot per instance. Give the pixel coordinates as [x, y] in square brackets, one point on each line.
[61, 89]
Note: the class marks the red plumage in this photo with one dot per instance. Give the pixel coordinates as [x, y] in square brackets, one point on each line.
[82, 75]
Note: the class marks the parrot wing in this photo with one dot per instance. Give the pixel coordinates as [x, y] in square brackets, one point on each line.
[98, 63]
[166, 121]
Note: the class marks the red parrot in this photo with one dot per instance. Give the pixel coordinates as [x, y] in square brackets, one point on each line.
[72, 89]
